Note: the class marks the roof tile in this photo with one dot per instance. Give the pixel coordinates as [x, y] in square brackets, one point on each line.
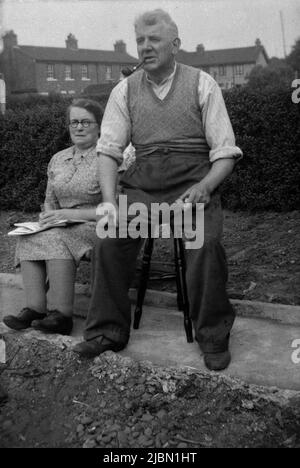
[60, 54]
[222, 56]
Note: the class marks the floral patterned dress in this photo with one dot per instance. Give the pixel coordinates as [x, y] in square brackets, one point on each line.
[73, 182]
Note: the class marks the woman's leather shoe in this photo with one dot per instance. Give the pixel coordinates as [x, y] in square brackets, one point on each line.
[23, 320]
[55, 322]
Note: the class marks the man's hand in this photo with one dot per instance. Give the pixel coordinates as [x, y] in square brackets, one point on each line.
[201, 192]
[198, 193]
[52, 216]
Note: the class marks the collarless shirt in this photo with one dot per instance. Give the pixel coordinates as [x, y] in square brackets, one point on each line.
[116, 122]
[161, 89]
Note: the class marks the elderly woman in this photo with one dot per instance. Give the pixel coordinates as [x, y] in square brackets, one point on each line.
[73, 192]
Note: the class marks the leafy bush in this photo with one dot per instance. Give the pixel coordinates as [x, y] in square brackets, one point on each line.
[266, 125]
[293, 59]
[277, 76]
[29, 138]
[26, 101]
[18, 102]
[267, 128]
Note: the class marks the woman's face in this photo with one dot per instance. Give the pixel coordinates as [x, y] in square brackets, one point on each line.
[83, 136]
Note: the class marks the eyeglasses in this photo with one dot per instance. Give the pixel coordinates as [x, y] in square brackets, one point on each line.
[85, 123]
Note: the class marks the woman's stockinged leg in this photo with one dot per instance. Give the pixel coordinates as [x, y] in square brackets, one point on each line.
[61, 275]
[34, 280]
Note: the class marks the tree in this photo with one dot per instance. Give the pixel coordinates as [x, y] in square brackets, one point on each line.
[275, 76]
[293, 59]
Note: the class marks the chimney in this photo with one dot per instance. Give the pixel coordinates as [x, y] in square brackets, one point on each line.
[10, 40]
[258, 43]
[71, 42]
[200, 49]
[120, 46]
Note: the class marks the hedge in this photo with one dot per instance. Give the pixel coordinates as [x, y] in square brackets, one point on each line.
[18, 102]
[267, 128]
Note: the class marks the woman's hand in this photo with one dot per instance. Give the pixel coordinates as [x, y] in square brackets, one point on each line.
[108, 212]
[107, 219]
[52, 216]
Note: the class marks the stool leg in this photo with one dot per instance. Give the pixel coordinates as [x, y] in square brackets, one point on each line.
[181, 269]
[92, 275]
[143, 282]
[180, 305]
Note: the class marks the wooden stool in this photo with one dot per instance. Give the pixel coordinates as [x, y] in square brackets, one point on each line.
[182, 297]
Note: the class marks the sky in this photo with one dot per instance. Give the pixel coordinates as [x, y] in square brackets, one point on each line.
[98, 24]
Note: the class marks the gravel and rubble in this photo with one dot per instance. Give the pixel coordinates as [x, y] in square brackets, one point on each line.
[58, 400]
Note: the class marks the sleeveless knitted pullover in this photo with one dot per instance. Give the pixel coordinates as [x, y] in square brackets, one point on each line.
[174, 122]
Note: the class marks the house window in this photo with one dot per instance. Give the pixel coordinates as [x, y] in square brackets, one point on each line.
[68, 72]
[84, 72]
[222, 70]
[108, 73]
[239, 69]
[50, 72]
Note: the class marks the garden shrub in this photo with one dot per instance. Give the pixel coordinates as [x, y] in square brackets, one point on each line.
[267, 129]
[266, 125]
[29, 138]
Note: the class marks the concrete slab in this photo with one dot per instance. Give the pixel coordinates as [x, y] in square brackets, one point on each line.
[12, 299]
[261, 348]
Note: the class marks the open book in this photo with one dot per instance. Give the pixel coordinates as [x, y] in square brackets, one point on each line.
[24, 229]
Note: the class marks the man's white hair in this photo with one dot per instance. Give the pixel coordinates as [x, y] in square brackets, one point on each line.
[157, 16]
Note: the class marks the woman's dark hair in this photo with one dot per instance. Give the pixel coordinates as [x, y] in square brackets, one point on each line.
[88, 104]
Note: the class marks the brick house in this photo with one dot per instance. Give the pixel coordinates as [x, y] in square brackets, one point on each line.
[229, 67]
[70, 70]
[66, 70]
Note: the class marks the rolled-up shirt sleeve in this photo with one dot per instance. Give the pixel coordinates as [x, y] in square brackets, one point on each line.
[115, 126]
[216, 123]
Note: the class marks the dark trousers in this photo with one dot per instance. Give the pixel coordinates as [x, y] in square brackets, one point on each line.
[206, 268]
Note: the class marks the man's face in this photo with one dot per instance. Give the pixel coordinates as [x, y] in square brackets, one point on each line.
[156, 47]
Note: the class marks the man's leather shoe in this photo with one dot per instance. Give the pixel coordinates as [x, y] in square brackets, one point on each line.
[23, 320]
[217, 361]
[92, 348]
[55, 322]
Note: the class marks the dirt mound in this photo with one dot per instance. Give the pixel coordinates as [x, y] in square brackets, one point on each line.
[57, 400]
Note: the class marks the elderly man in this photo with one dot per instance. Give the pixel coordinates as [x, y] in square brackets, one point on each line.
[175, 117]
